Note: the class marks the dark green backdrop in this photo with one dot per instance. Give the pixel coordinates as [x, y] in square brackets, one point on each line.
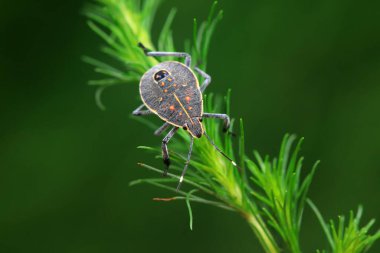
[305, 67]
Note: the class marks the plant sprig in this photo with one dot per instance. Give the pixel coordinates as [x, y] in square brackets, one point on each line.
[269, 193]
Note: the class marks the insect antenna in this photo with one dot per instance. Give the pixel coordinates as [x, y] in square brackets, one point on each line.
[221, 152]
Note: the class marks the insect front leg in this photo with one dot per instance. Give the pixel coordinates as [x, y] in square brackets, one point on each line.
[139, 112]
[159, 54]
[165, 152]
[224, 117]
[187, 162]
[162, 129]
[207, 78]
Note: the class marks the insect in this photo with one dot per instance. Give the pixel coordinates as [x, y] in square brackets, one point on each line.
[171, 91]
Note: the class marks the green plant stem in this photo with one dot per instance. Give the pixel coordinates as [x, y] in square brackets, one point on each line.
[262, 233]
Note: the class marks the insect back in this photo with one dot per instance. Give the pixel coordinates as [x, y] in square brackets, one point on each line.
[171, 91]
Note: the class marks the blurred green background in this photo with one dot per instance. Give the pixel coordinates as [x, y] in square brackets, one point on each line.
[305, 67]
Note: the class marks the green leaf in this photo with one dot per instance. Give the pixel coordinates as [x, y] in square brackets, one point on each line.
[165, 41]
[98, 97]
[189, 208]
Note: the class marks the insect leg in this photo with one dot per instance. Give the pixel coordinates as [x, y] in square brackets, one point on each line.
[224, 117]
[187, 162]
[161, 129]
[159, 54]
[207, 78]
[139, 112]
[165, 152]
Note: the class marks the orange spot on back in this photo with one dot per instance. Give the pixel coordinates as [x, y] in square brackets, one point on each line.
[169, 79]
[175, 85]
[190, 108]
[163, 84]
[180, 113]
[171, 108]
[187, 99]
[165, 90]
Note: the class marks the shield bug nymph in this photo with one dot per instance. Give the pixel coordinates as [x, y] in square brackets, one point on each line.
[171, 90]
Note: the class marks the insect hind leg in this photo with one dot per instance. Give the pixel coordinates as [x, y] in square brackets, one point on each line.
[187, 163]
[162, 54]
[165, 152]
[160, 130]
[224, 117]
[206, 76]
[140, 112]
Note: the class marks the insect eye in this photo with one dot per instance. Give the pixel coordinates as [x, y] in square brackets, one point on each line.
[200, 119]
[160, 75]
[184, 128]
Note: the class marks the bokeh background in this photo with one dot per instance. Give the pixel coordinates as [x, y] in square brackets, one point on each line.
[305, 67]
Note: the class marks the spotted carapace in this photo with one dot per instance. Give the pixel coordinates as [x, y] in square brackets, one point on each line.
[171, 90]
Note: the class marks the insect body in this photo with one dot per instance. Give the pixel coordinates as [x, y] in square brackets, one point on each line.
[171, 91]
